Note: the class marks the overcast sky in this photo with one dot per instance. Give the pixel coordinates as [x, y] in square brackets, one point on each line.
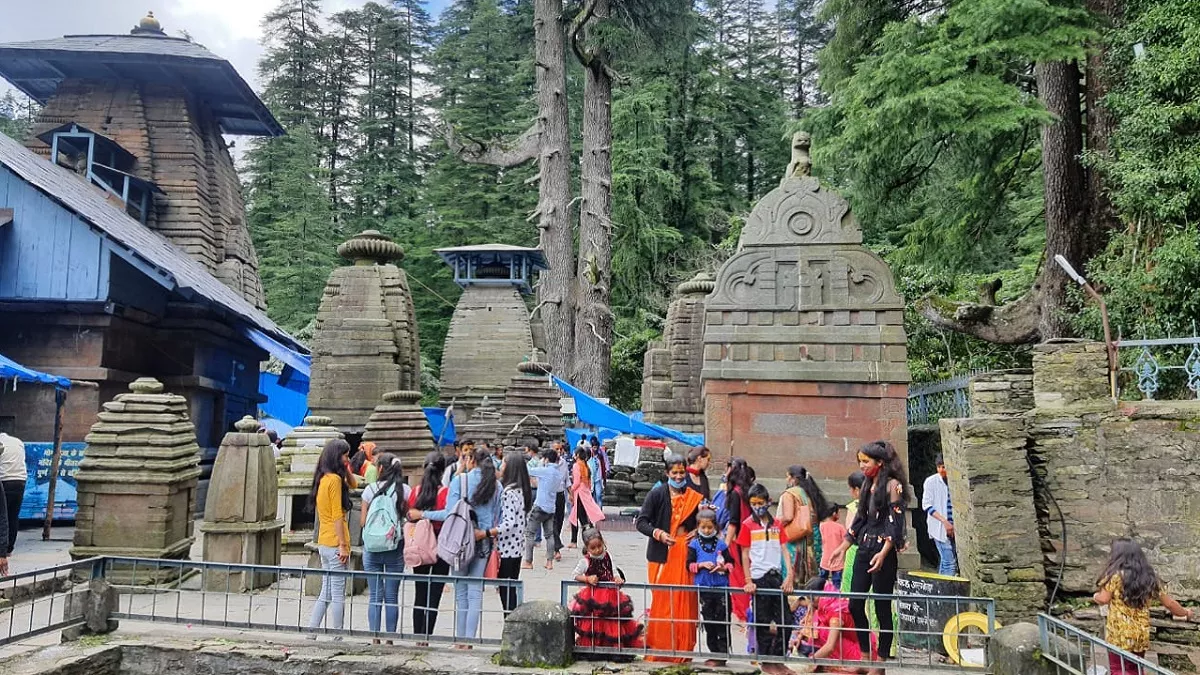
[228, 28]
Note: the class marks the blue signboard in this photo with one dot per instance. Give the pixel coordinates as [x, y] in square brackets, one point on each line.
[38, 457]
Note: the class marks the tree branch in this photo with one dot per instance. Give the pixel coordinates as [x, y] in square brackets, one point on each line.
[1014, 323]
[493, 153]
[575, 32]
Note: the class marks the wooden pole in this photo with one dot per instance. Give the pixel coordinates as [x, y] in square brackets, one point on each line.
[60, 397]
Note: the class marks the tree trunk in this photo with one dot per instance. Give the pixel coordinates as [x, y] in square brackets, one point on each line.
[554, 187]
[594, 318]
[1102, 217]
[1041, 314]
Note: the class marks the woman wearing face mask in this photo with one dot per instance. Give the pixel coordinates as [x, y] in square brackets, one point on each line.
[669, 518]
[878, 530]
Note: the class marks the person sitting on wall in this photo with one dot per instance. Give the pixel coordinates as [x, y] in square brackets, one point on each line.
[939, 518]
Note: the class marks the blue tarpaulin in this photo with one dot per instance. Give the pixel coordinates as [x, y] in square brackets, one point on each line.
[284, 402]
[302, 363]
[599, 414]
[573, 435]
[441, 424]
[11, 370]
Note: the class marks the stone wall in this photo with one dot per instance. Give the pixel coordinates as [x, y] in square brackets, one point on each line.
[1054, 439]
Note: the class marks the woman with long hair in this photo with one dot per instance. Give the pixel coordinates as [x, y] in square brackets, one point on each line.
[668, 518]
[384, 594]
[738, 479]
[429, 496]
[801, 507]
[879, 530]
[329, 499]
[477, 484]
[585, 511]
[516, 500]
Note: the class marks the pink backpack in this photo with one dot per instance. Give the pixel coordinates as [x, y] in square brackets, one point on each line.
[420, 544]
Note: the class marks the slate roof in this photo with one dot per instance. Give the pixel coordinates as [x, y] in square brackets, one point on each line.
[189, 277]
[39, 66]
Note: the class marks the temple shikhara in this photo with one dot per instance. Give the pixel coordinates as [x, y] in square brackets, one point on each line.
[124, 250]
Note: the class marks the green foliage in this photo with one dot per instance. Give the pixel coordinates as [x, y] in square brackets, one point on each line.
[633, 335]
[16, 114]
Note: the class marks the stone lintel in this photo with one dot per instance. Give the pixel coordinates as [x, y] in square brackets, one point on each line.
[240, 527]
[839, 335]
[808, 371]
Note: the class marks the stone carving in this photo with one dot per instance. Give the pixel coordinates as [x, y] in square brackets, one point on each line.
[366, 342]
[671, 393]
[531, 405]
[296, 464]
[399, 426]
[137, 481]
[803, 321]
[239, 523]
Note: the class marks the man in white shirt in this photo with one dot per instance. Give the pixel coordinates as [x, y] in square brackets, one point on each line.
[939, 518]
[13, 476]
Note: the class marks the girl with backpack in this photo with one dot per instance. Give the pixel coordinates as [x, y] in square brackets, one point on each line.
[329, 499]
[383, 543]
[515, 503]
[477, 486]
[429, 495]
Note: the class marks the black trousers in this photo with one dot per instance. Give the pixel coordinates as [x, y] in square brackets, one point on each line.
[768, 610]
[560, 516]
[510, 568]
[428, 596]
[581, 518]
[714, 612]
[14, 495]
[882, 582]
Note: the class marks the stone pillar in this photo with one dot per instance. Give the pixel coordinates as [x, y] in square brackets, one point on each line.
[1002, 392]
[137, 481]
[531, 405]
[239, 523]
[296, 464]
[489, 335]
[804, 344]
[1070, 372]
[671, 389]
[365, 343]
[538, 634]
[399, 426]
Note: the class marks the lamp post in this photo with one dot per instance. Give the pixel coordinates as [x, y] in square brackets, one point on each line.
[1111, 346]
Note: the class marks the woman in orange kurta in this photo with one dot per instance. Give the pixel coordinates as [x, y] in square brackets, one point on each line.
[669, 518]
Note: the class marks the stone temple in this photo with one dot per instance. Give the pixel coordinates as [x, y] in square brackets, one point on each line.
[365, 344]
[804, 344]
[671, 390]
[490, 331]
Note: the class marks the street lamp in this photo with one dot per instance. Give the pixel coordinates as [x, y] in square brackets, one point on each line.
[1111, 346]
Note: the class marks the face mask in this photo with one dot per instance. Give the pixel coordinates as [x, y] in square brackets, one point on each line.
[760, 511]
[677, 484]
[871, 471]
[707, 537]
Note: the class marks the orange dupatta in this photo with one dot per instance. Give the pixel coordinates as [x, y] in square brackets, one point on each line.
[674, 614]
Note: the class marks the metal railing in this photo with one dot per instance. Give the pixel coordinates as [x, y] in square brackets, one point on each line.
[283, 599]
[1154, 368]
[42, 601]
[932, 633]
[1077, 652]
[929, 402]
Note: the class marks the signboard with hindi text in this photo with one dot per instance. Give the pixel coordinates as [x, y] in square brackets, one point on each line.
[38, 457]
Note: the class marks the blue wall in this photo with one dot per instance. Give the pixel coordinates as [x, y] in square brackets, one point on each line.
[47, 252]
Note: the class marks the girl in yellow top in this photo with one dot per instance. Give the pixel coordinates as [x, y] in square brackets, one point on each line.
[330, 498]
[1128, 585]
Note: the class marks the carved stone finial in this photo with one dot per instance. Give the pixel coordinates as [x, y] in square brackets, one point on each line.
[146, 385]
[370, 246]
[317, 421]
[148, 26]
[534, 368]
[702, 283]
[246, 425]
[801, 164]
[403, 396]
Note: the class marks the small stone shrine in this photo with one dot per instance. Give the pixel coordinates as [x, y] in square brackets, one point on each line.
[490, 330]
[365, 343]
[296, 464]
[531, 405]
[399, 426]
[239, 523]
[804, 344]
[137, 481]
[671, 391]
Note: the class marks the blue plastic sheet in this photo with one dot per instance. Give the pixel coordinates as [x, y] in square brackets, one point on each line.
[442, 425]
[599, 414]
[11, 370]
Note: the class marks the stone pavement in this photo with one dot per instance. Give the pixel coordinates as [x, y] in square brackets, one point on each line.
[283, 604]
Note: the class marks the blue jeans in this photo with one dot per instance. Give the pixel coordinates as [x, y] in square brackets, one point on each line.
[384, 592]
[948, 564]
[333, 590]
[468, 598]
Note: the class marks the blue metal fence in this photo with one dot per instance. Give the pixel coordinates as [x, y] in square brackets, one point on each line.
[929, 402]
[1168, 365]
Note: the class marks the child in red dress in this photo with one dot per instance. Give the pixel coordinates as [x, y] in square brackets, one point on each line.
[603, 614]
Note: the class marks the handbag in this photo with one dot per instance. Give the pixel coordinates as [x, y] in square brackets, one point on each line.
[794, 529]
[492, 570]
